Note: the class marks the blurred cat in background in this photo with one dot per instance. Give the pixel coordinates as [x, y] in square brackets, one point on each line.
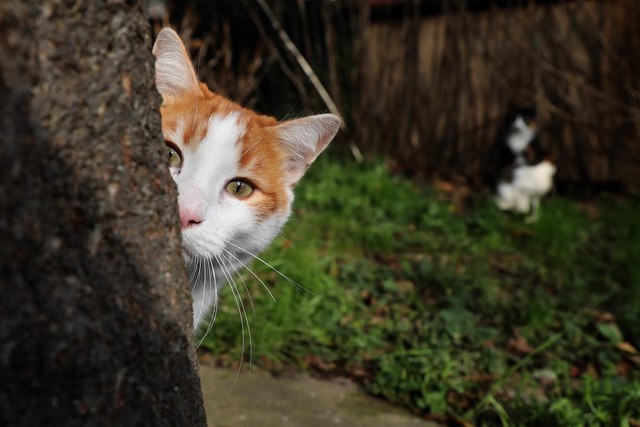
[527, 170]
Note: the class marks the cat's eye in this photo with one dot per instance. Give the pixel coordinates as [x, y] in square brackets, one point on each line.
[239, 188]
[174, 156]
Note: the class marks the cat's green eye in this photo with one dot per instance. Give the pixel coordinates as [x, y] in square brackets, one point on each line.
[239, 188]
[174, 156]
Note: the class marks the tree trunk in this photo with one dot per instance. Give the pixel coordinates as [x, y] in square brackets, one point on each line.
[95, 312]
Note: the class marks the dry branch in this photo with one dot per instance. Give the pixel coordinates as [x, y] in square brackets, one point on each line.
[304, 65]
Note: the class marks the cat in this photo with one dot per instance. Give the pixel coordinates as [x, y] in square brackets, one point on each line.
[528, 185]
[235, 171]
[528, 174]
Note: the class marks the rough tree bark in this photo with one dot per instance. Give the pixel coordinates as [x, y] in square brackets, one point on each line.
[95, 311]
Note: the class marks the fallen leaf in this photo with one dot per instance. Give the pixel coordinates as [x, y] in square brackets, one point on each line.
[592, 371]
[489, 344]
[623, 369]
[604, 317]
[519, 344]
[445, 186]
[360, 374]
[480, 378]
[626, 347]
[312, 361]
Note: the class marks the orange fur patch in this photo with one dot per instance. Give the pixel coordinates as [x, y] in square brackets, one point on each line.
[262, 159]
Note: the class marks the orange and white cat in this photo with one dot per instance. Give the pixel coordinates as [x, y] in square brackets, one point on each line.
[234, 169]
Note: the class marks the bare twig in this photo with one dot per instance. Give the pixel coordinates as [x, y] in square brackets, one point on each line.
[308, 71]
[274, 51]
[306, 68]
[304, 19]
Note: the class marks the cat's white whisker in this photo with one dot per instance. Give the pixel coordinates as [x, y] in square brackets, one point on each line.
[209, 284]
[214, 313]
[233, 283]
[207, 271]
[252, 273]
[196, 275]
[199, 306]
[244, 284]
[243, 316]
[284, 276]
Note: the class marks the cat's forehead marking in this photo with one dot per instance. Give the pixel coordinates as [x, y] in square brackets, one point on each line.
[195, 118]
[193, 131]
[186, 119]
[213, 160]
[218, 149]
[224, 130]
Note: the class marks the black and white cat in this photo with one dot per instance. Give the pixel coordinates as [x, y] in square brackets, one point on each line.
[528, 171]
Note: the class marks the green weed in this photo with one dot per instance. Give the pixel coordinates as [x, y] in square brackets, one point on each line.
[451, 306]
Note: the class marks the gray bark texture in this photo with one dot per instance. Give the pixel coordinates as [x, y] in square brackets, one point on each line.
[95, 318]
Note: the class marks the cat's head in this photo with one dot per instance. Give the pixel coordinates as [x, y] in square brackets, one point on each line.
[521, 117]
[234, 169]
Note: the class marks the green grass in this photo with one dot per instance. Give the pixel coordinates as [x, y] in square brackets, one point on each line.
[451, 307]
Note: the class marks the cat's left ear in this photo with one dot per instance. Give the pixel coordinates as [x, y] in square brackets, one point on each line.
[174, 73]
[304, 139]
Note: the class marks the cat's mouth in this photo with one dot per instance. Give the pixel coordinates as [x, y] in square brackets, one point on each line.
[227, 258]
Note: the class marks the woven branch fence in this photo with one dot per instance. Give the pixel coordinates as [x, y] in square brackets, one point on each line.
[427, 84]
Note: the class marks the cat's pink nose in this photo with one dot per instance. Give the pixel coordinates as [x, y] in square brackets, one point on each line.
[188, 217]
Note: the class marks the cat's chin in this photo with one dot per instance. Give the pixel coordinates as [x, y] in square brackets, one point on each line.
[229, 257]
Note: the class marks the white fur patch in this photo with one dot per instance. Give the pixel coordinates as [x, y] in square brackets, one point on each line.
[520, 137]
[228, 223]
[529, 185]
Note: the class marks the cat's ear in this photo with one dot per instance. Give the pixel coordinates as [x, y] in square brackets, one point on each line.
[304, 139]
[174, 73]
